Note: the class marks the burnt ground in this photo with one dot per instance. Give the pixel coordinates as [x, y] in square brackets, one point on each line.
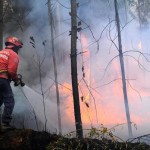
[25, 139]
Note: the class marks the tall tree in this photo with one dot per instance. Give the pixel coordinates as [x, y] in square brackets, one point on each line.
[54, 62]
[77, 113]
[122, 69]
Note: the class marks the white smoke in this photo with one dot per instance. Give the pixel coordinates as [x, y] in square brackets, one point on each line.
[109, 101]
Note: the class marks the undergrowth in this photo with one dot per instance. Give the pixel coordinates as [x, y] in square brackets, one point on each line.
[97, 139]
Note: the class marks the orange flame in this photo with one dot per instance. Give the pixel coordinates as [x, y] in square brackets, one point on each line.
[110, 104]
[140, 45]
[86, 65]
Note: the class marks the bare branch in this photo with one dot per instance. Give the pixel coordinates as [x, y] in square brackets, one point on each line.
[112, 40]
[63, 5]
[138, 138]
[108, 66]
[107, 83]
[93, 99]
[140, 65]
[136, 51]
[88, 28]
[135, 90]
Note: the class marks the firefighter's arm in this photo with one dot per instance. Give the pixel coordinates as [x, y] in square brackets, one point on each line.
[13, 66]
[13, 76]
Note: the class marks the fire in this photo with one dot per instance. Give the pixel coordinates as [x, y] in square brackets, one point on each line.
[140, 45]
[110, 101]
[86, 65]
[66, 92]
[85, 85]
[87, 105]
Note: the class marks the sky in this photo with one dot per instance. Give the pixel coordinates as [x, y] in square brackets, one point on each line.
[99, 60]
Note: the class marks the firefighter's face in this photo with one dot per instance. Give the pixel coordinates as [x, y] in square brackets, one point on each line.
[17, 49]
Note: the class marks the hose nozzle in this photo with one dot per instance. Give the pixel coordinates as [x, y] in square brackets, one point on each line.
[19, 81]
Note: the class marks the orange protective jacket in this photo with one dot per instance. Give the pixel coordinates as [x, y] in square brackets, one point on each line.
[9, 61]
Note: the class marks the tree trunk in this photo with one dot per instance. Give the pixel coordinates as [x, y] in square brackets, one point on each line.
[57, 33]
[77, 113]
[55, 66]
[123, 70]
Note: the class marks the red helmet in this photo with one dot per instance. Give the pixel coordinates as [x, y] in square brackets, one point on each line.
[13, 40]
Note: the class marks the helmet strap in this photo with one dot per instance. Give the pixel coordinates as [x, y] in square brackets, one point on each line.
[16, 49]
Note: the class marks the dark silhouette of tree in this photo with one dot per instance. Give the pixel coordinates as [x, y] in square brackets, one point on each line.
[122, 69]
[73, 55]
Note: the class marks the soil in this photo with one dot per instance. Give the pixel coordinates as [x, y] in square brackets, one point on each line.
[26, 139]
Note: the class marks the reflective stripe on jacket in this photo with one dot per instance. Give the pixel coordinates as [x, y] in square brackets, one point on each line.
[9, 61]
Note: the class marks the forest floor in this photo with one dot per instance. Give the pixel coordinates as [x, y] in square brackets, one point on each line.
[26, 139]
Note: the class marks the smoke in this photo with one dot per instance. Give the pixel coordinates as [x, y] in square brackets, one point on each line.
[105, 83]
[15, 16]
[110, 84]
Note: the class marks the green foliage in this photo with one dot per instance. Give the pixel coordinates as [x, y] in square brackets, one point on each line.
[95, 139]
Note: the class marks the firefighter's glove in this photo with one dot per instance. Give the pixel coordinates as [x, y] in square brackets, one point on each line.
[20, 79]
[17, 82]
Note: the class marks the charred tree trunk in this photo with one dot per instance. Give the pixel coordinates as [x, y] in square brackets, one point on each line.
[122, 70]
[77, 113]
[55, 66]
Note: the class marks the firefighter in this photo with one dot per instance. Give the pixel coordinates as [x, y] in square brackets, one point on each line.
[9, 61]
